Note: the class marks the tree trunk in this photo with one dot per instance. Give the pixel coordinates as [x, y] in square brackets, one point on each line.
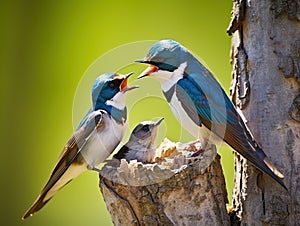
[176, 191]
[266, 76]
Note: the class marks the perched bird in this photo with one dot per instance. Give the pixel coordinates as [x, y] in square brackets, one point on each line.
[140, 146]
[95, 139]
[201, 105]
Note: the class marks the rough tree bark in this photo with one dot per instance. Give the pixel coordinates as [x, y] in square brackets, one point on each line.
[266, 76]
[176, 191]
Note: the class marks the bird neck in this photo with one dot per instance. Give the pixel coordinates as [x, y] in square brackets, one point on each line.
[168, 79]
[119, 115]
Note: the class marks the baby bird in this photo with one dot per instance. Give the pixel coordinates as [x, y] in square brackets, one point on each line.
[140, 146]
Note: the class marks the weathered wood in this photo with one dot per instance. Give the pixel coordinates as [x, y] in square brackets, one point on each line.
[177, 190]
[266, 60]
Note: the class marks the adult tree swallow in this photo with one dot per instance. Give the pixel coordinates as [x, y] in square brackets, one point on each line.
[201, 105]
[140, 146]
[94, 140]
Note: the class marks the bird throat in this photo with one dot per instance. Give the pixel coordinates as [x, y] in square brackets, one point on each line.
[171, 78]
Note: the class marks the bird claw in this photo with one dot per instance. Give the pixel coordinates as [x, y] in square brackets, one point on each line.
[193, 145]
[198, 153]
[96, 169]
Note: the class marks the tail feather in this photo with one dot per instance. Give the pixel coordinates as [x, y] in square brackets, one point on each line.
[241, 140]
[273, 168]
[259, 159]
[267, 167]
[54, 184]
[37, 205]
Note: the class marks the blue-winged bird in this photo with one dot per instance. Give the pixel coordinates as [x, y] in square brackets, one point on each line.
[98, 134]
[201, 105]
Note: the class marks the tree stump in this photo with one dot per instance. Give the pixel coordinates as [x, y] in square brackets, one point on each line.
[175, 190]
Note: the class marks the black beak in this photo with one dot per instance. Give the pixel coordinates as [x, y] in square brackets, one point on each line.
[140, 61]
[128, 75]
[158, 122]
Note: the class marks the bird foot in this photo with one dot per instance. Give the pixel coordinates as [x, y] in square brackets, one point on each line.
[193, 146]
[196, 147]
[198, 153]
[96, 169]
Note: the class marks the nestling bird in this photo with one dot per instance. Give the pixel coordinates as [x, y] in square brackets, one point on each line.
[201, 105]
[140, 146]
[95, 139]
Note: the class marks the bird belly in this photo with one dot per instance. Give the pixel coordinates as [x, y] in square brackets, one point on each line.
[102, 143]
[200, 132]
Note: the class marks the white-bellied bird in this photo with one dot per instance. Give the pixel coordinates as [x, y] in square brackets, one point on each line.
[94, 140]
[201, 105]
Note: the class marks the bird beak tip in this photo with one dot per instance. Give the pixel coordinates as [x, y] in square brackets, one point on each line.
[128, 75]
[142, 76]
[159, 121]
[139, 61]
[148, 71]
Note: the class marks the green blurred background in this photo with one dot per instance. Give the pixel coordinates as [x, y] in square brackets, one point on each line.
[46, 48]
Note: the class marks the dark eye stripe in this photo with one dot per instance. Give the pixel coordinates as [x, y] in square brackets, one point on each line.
[114, 83]
[164, 66]
[111, 85]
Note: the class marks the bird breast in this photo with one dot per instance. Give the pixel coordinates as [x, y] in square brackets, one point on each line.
[200, 132]
[101, 143]
[143, 154]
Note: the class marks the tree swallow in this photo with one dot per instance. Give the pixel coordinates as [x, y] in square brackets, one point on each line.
[201, 105]
[140, 146]
[94, 140]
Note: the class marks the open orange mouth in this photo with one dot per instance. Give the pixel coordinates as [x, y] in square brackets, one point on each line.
[123, 85]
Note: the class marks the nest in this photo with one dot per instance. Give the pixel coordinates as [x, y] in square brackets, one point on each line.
[170, 159]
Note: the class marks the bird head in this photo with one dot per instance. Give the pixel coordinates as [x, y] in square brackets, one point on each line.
[145, 133]
[164, 57]
[110, 89]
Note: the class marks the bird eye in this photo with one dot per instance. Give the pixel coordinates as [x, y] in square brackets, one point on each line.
[145, 128]
[112, 85]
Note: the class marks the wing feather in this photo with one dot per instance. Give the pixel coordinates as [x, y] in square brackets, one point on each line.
[73, 147]
[70, 155]
[219, 115]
